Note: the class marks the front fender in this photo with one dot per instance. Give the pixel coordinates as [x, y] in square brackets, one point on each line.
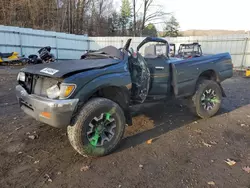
[122, 80]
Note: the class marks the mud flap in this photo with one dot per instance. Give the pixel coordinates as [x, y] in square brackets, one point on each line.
[222, 91]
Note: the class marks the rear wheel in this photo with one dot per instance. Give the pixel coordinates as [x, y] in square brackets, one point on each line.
[98, 128]
[206, 101]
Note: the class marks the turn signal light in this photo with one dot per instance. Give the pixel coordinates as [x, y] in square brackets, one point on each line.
[46, 114]
[67, 90]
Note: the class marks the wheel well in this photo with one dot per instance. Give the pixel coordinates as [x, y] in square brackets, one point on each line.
[206, 75]
[120, 96]
[209, 75]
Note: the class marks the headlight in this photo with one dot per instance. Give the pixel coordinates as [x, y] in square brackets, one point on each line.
[63, 92]
[21, 76]
[53, 92]
[66, 90]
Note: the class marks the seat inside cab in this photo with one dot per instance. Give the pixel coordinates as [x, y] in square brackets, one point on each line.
[155, 50]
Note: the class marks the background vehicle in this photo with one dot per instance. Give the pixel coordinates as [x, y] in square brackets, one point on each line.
[45, 56]
[11, 58]
[92, 96]
[189, 50]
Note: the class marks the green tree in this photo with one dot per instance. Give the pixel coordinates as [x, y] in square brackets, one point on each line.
[172, 28]
[150, 30]
[125, 15]
[115, 24]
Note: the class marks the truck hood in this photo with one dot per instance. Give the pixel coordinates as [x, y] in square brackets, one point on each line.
[59, 69]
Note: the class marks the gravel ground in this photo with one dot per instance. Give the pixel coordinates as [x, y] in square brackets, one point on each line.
[185, 151]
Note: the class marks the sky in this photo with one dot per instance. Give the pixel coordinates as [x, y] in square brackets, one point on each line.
[208, 14]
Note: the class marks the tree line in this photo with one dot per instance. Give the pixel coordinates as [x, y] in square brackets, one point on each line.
[91, 17]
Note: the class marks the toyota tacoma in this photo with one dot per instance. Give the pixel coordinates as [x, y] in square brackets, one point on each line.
[91, 97]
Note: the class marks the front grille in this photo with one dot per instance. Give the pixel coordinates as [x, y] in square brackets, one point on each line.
[27, 84]
[35, 84]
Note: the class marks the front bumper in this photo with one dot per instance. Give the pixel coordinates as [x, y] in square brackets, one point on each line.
[60, 111]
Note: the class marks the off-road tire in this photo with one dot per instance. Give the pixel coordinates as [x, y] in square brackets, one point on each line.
[195, 101]
[77, 133]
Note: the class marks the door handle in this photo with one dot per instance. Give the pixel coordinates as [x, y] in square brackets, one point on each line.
[159, 68]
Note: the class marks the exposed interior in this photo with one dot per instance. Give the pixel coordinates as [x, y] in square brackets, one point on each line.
[140, 77]
[106, 52]
[190, 50]
[150, 72]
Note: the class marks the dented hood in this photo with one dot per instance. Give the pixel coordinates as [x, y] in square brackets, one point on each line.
[59, 69]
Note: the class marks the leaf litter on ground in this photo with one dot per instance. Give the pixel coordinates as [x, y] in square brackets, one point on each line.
[246, 169]
[206, 144]
[230, 162]
[85, 168]
[149, 141]
[210, 183]
[210, 144]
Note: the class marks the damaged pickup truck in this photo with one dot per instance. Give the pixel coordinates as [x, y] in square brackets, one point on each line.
[92, 96]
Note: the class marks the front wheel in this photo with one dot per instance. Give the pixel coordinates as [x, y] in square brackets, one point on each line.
[207, 99]
[98, 128]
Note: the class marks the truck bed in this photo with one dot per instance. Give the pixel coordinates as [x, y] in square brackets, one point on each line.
[186, 72]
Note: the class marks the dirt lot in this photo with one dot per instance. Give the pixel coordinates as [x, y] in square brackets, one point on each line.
[185, 151]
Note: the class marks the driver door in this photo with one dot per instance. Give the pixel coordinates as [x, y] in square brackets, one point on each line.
[156, 56]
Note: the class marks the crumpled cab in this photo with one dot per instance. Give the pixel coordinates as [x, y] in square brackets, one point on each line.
[91, 97]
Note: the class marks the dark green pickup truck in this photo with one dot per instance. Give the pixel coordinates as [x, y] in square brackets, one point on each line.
[92, 96]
